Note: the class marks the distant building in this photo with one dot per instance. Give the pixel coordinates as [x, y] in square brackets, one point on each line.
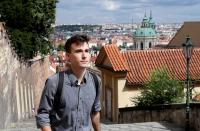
[58, 41]
[145, 37]
[123, 41]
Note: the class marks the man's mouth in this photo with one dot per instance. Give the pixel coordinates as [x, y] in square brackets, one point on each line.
[84, 61]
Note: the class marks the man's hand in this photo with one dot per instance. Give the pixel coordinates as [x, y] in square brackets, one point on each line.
[46, 128]
[96, 121]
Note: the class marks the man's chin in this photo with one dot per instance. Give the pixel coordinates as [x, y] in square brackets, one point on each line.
[84, 65]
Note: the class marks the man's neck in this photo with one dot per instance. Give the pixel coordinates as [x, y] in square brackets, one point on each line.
[79, 73]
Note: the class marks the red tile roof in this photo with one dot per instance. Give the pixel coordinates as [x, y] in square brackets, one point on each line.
[93, 58]
[115, 58]
[142, 63]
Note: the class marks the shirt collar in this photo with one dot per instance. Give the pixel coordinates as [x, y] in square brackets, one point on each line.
[73, 79]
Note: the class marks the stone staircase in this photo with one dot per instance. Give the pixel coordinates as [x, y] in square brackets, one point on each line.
[29, 125]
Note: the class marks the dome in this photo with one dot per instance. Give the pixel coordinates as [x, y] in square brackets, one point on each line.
[145, 32]
[151, 21]
[145, 19]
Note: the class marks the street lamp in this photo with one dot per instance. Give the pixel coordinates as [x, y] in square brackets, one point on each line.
[187, 51]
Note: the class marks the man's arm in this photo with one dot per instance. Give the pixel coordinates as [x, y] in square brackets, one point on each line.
[46, 104]
[96, 121]
[95, 114]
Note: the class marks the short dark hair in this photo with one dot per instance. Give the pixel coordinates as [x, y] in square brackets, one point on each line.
[78, 39]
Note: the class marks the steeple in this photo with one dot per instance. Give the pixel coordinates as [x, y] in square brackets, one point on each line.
[151, 22]
[150, 15]
[145, 21]
[145, 17]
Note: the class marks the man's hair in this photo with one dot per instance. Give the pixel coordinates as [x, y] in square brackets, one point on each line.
[77, 39]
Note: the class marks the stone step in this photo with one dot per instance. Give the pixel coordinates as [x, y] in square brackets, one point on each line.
[29, 125]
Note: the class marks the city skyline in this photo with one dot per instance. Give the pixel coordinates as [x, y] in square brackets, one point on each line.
[123, 11]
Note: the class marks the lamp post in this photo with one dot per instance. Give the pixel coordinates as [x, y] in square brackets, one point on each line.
[187, 51]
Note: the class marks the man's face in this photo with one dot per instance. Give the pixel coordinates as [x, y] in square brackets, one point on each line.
[79, 56]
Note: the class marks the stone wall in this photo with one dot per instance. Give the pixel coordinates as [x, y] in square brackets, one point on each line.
[174, 113]
[20, 85]
[195, 116]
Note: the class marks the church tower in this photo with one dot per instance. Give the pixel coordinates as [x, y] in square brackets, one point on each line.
[145, 37]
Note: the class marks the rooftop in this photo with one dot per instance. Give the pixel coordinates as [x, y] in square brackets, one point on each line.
[140, 64]
[191, 29]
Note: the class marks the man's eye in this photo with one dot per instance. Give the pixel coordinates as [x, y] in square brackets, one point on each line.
[80, 51]
[87, 50]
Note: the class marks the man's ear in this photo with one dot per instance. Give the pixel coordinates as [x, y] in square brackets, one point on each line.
[67, 55]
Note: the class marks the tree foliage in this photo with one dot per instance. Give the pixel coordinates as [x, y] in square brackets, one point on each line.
[29, 25]
[161, 89]
[61, 47]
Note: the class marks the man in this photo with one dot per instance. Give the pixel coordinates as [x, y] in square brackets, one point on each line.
[79, 104]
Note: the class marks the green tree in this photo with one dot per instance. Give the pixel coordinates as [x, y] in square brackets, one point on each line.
[161, 89]
[61, 47]
[29, 25]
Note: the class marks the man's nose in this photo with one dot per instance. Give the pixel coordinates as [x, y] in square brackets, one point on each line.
[84, 54]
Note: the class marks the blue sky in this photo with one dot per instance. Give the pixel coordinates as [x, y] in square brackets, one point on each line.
[122, 11]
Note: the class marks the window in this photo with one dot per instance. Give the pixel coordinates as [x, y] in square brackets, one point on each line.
[141, 46]
[150, 45]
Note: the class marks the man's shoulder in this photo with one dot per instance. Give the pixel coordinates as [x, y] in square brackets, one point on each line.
[95, 76]
[54, 77]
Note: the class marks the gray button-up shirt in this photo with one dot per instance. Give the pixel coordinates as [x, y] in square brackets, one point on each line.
[77, 103]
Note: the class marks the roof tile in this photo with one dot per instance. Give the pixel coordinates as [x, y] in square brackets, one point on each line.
[142, 63]
[113, 54]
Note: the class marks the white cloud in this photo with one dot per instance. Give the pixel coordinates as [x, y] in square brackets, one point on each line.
[117, 11]
[110, 5]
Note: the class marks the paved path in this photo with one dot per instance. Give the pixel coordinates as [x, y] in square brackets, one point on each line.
[29, 125]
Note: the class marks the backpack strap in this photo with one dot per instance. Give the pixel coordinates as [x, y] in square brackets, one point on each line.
[96, 82]
[53, 120]
[58, 91]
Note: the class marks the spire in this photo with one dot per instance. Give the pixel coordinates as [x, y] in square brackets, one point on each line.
[132, 23]
[150, 15]
[145, 21]
[145, 15]
[151, 22]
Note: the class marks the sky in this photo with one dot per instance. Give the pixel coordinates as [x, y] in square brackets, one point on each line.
[124, 11]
